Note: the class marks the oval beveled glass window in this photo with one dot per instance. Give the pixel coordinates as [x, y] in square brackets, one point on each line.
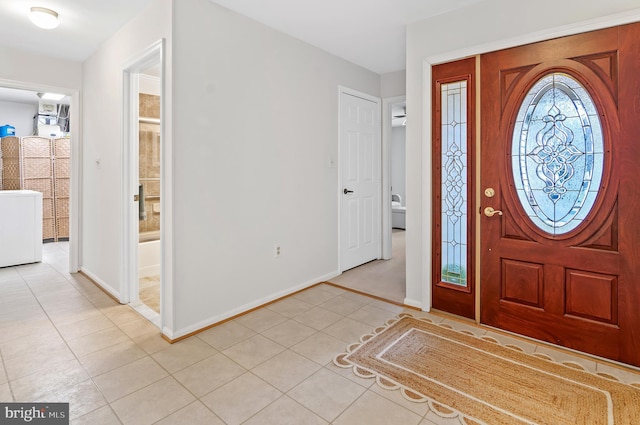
[557, 153]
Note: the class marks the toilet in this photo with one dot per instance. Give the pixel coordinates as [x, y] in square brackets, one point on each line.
[398, 212]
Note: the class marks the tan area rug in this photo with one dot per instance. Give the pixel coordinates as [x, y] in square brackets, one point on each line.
[483, 382]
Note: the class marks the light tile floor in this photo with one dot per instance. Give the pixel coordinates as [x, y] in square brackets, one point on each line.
[62, 339]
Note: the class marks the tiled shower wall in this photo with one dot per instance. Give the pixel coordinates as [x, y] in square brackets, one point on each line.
[149, 173]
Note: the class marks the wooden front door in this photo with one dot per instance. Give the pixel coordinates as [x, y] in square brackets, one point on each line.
[560, 252]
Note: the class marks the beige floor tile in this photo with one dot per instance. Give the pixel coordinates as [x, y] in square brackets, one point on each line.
[241, 398]
[397, 397]
[331, 289]
[433, 419]
[138, 327]
[623, 374]
[3, 374]
[285, 411]
[392, 308]
[96, 341]
[40, 326]
[289, 333]
[127, 379]
[461, 325]
[152, 403]
[226, 335]
[82, 398]
[111, 358]
[349, 330]
[286, 370]
[24, 347]
[503, 339]
[101, 416]
[74, 313]
[321, 348]
[348, 373]
[316, 295]
[49, 380]
[208, 374]
[151, 342]
[194, 414]
[326, 393]
[290, 307]
[372, 316]
[343, 305]
[260, 320]
[183, 354]
[119, 314]
[5, 393]
[318, 318]
[37, 361]
[373, 409]
[561, 356]
[85, 327]
[253, 351]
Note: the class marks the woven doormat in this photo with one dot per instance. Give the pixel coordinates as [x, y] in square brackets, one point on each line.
[481, 381]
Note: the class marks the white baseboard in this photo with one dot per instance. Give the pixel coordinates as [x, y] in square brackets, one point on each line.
[101, 283]
[413, 303]
[244, 308]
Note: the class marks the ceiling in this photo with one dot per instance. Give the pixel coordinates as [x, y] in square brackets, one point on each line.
[370, 33]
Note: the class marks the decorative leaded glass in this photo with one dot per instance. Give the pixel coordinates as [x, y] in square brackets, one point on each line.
[454, 183]
[557, 153]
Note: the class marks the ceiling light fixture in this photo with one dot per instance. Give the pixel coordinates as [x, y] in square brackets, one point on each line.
[51, 96]
[44, 18]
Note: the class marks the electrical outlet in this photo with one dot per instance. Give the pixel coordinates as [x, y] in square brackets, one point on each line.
[277, 250]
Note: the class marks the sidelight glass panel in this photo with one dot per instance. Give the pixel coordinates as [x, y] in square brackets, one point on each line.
[454, 183]
[557, 153]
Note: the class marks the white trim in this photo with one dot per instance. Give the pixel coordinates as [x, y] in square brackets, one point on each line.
[75, 184]
[153, 55]
[345, 90]
[548, 34]
[244, 308]
[101, 283]
[387, 104]
[413, 303]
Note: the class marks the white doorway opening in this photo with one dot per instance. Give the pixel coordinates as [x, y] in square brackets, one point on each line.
[143, 184]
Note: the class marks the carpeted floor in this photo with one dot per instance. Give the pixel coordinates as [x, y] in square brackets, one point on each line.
[382, 278]
[479, 380]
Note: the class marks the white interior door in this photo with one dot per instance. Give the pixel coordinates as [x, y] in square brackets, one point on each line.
[360, 221]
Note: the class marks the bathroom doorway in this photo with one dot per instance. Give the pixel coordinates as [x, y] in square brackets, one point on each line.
[143, 157]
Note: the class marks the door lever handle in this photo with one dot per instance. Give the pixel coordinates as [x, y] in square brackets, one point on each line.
[490, 212]
[345, 191]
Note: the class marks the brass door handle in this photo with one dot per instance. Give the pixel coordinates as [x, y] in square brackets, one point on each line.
[490, 212]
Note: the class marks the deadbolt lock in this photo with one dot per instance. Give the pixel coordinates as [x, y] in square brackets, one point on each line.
[489, 192]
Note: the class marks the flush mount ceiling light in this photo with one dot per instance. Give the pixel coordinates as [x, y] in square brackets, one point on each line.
[44, 18]
[51, 96]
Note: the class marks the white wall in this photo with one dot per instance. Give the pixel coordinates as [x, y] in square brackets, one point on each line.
[398, 162]
[393, 84]
[256, 121]
[19, 115]
[34, 71]
[485, 26]
[102, 203]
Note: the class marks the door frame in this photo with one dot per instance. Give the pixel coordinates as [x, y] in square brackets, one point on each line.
[75, 169]
[345, 90]
[130, 292]
[424, 240]
[385, 199]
